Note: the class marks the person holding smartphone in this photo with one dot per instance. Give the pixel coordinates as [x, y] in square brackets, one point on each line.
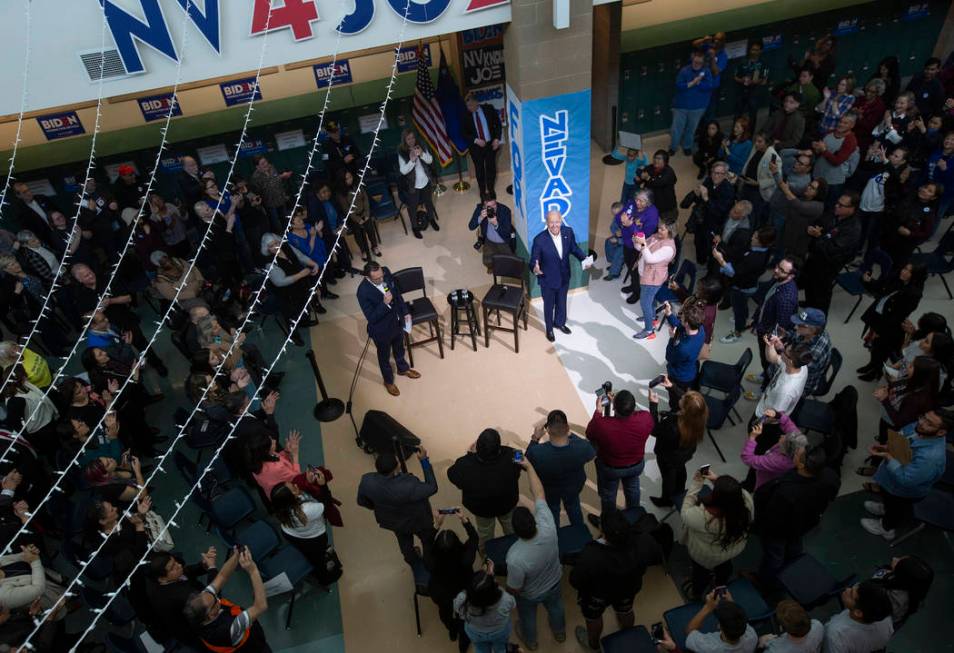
[451, 565]
[677, 434]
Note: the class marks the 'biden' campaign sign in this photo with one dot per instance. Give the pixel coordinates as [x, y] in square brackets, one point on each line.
[240, 91]
[60, 125]
[156, 107]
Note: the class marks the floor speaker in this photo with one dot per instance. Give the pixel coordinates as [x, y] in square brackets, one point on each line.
[381, 432]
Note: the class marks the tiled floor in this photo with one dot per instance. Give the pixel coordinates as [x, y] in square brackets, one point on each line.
[467, 391]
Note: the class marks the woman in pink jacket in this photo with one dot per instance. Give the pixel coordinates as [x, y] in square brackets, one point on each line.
[655, 253]
[780, 457]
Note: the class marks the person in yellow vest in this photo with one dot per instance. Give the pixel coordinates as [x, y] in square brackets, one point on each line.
[37, 370]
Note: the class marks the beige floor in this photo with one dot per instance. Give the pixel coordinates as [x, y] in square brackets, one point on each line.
[494, 387]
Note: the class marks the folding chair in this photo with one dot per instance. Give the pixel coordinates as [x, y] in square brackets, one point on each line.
[421, 309]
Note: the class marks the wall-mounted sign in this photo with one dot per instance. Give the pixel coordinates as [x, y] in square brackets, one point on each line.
[484, 65]
[212, 154]
[290, 140]
[170, 164]
[407, 58]
[156, 107]
[240, 91]
[60, 125]
[340, 71]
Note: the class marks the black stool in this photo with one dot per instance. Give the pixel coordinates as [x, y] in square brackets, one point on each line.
[462, 300]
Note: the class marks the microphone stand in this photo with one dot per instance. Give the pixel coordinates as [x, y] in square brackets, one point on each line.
[328, 409]
[354, 382]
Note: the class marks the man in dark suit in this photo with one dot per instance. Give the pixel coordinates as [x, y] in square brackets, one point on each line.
[33, 212]
[481, 129]
[496, 235]
[550, 261]
[387, 316]
[343, 153]
[400, 502]
[191, 183]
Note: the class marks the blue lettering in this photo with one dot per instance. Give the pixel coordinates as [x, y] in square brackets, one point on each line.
[208, 24]
[127, 29]
[359, 19]
[516, 160]
[554, 135]
[420, 13]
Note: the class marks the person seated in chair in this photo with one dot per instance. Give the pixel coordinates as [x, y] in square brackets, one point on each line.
[864, 624]
[495, 224]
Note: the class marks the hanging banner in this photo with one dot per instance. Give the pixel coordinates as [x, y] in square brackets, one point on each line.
[482, 56]
[60, 125]
[324, 73]
[515, 131]
[251, 147]
[556, 161]
[156, 107]
[240, 91]
[170, 164]
[407, 58]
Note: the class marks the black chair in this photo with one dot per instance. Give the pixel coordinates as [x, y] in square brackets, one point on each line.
[505, 297]
[809, 582]
[815, 415]
[940, 261]
[421, 309]
[851, 281]
[383, 209]
[722, 376]
[422, 579]
[629, 640]
[936, 509]
[719, 410]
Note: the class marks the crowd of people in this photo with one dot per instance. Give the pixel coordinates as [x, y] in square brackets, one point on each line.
[837, 175]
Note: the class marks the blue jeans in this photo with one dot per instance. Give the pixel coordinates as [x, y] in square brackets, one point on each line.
[627, 192]
[527, 613]
[570, 498]
[683, 130]
[489, 642]
[739, 298]
[608, 480]
[614, 254]
[647, 294]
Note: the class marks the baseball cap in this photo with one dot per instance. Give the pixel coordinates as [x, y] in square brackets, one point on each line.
[126, 169]
[809, 317]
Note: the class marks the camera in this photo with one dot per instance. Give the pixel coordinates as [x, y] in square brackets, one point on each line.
[479, 244]
[603, 391]
[491, 212]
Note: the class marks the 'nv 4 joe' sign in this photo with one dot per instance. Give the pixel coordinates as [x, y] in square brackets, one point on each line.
[60, 125]
[240, 91]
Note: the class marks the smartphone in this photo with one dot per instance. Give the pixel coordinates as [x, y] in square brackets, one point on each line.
[600, 391]
[518, 456]
[448, 511]
[720, 591]
[659, 379]
[656, 631]
[704, 470]
[774, 158]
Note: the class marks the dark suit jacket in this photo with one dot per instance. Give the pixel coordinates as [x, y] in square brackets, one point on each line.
[556, 270]
[400, 503]
[190, 189]
[383, 321]
[30, 219]
[504, 224]
[469, 129]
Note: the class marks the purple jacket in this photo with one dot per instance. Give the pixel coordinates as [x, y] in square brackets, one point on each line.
[773, 463]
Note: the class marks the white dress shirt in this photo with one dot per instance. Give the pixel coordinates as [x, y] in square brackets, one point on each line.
[558, 243]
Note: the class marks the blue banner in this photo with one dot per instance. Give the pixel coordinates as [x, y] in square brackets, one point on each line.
[251, 147]
[156, 107]
[515, 132]
[60, 125]
[324, 73]
[556, 161]
[170, 164]
[847, 26]
[240, 91]
[407, 58]
[918, 10]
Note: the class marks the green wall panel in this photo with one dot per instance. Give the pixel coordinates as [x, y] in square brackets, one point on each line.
[653, 55]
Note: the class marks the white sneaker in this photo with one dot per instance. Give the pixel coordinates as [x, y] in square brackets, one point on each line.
[729, 339]
[874, 527]
[876, 508]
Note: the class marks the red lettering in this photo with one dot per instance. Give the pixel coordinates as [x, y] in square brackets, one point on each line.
[295, 14]
[476, 5]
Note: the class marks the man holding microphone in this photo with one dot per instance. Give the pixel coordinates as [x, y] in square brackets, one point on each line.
[550, 261]
[388, 317]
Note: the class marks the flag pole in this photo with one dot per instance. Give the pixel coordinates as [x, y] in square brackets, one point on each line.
[461, 186]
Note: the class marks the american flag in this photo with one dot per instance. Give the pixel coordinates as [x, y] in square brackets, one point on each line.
[427, 115]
